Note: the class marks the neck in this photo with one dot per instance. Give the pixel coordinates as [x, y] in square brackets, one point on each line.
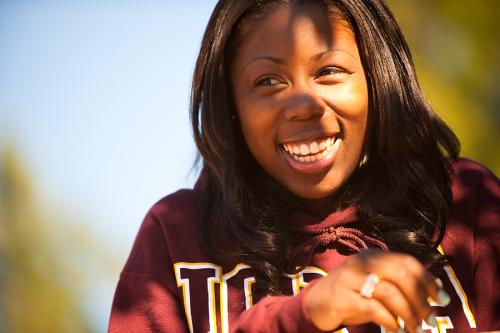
[319, 208]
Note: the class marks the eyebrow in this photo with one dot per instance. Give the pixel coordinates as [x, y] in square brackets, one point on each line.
[318, 56]
[276, 60]
[280, 61]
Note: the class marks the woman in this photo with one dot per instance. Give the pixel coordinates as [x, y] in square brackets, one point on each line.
[317, 144]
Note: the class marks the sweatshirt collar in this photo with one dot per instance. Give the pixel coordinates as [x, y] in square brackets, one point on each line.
[305, 222]
[318, 235]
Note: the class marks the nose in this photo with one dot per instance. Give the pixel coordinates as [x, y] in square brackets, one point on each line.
[304, 104]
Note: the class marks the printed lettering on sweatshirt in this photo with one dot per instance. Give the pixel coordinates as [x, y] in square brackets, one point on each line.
[213, 299]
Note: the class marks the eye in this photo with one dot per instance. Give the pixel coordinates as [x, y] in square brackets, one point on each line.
[331, 71]
[267, 81]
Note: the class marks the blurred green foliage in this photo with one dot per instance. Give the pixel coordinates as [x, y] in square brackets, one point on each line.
[456, 49]
[35, 294]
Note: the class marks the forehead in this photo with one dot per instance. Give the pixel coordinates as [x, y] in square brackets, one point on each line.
[289, 29]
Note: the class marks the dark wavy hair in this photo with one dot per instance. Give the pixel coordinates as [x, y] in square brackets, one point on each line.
[403, 191]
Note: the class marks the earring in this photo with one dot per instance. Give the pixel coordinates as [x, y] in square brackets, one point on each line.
[233, 116]
[363, 160]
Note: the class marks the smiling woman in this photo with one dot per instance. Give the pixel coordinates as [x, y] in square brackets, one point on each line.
[331, 198]
[302, 87]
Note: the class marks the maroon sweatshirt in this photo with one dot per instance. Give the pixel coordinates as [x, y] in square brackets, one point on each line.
[169, 284]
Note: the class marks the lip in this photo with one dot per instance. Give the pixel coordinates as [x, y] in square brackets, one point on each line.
[313, 167]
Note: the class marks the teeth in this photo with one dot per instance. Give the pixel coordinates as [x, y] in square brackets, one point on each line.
[314, 148]
[314, 151]
[304, 149]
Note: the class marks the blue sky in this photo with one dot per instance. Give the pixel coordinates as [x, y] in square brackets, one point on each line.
[94, 95]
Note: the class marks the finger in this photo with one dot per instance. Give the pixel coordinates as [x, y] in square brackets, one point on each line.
[411, 287]
[392, 269]
[370, 310]
[433, 285]
[393, 299]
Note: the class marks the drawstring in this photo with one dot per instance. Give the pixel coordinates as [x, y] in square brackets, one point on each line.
[354, 239]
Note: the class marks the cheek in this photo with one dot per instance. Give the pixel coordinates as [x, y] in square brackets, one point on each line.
[258, 127]
[350, 103]
[354, 130]
[258, 120]
[350, 100]
[253, 121]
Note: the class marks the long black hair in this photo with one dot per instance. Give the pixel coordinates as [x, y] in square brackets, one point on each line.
[403, 189]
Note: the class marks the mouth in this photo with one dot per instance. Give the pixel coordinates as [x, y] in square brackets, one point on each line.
[309, 156]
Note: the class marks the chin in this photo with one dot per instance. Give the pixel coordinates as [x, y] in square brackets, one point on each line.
[314, 192]
[319, 187]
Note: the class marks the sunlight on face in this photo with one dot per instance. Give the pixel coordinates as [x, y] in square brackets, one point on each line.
[302, 99]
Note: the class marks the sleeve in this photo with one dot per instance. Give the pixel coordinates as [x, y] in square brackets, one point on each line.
[143, 304]
[277, 314]
[487, 253]
[145, 298]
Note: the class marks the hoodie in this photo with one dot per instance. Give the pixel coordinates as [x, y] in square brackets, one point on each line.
[170, 284]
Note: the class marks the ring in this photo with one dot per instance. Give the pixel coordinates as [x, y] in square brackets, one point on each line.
[369, 285]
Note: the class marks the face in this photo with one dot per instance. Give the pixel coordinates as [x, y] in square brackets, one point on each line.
[302, 101]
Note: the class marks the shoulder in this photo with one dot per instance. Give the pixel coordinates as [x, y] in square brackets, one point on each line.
[476, 199]
[175, 218]
[471, 167]
[176, 207]
[469, 178]
[473, 237]
[167, 222]
[470, 171]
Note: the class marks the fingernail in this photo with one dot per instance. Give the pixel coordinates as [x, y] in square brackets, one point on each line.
[431, 320]
[439, 283]
[444, 298]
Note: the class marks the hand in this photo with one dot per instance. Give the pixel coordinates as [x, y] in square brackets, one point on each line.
[403, 291]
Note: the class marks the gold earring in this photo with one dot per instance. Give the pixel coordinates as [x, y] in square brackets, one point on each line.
[363, 160]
